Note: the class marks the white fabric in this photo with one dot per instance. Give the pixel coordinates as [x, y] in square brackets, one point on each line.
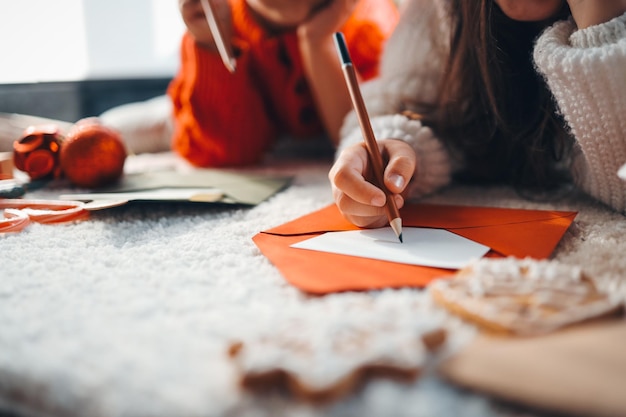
[586, 71]
[145, 126]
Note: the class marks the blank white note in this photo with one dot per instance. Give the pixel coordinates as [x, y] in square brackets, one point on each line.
[427, 247]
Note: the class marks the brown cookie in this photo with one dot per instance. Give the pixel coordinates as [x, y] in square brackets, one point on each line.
[326, 364]
[522, 296]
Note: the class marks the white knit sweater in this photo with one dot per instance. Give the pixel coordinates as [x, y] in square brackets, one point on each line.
[585, 69]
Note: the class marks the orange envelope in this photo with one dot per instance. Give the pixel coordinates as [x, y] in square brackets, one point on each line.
[508, 232]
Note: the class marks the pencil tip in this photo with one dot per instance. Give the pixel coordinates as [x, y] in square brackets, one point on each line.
[396, 225]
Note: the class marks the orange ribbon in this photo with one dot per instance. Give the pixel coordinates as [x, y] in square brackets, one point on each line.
[18, 213]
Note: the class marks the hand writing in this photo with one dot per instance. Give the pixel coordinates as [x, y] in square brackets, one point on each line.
[196, 22]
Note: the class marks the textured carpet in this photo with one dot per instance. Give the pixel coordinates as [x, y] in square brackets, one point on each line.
[130, 313]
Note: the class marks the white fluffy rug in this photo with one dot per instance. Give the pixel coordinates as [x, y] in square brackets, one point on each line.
[130, 313]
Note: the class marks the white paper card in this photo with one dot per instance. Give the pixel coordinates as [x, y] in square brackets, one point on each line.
[206, 195]
[422, 246]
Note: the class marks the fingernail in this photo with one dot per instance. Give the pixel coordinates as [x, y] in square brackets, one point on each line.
[397, 180]
[378, 201]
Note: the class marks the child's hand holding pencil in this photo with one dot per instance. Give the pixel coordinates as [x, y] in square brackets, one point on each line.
[374, 156]
[210, 23]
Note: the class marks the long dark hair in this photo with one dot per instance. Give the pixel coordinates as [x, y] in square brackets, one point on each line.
[494, 108]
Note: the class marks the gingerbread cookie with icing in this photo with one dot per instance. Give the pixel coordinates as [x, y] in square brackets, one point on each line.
[522, 296]
[328, 363]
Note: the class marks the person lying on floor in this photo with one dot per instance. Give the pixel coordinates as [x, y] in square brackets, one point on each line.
[520, 92]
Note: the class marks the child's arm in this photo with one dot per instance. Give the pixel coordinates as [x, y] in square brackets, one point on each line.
[220, 118]
[584, 69]
[321, 65]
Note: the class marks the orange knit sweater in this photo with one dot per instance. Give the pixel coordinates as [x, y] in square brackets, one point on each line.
[224, 119]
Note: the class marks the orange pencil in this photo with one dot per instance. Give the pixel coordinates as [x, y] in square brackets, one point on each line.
[376, 159]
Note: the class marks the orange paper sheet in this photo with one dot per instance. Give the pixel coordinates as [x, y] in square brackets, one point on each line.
[508, 232]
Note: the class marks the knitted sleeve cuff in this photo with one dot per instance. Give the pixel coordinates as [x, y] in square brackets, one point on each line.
[598, 35]
[433, 167]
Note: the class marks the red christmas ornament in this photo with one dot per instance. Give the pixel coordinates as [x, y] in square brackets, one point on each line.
[37, 152]
[92, 155]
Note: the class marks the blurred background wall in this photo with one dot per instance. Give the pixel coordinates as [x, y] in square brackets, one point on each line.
[68, 59]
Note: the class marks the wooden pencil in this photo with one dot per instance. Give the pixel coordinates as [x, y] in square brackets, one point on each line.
[376, 159]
